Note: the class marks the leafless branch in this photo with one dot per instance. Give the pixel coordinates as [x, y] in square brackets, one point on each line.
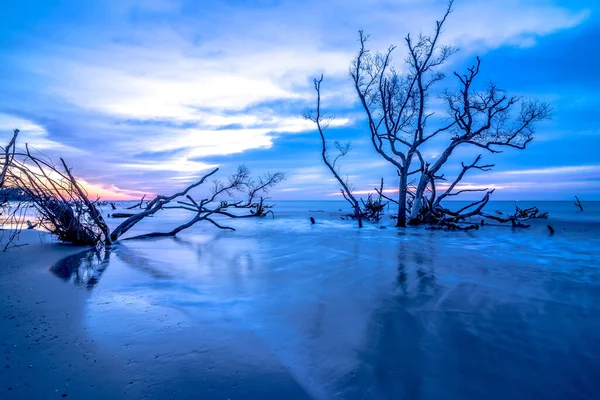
[399, 116]
[578, 204]
[64, 209]
[317, 117]
[137, 205]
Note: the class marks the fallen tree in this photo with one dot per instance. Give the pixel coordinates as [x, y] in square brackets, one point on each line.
[209, 207]
[64, 209]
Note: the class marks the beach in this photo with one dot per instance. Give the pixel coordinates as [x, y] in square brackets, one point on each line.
[282, 308]
[46, 351]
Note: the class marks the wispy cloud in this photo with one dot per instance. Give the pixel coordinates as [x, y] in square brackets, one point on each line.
[185, 82]
[555, 171]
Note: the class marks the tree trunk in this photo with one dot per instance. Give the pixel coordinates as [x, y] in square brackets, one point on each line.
[416, 208]
[358, 215]
[401, 222]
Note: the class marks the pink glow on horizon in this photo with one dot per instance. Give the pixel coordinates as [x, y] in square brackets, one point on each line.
[110, 192]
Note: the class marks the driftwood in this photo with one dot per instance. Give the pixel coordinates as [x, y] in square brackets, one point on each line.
[61, 204]
[578, 204]
[520, 215]
[138, 205]
[122, 215]
[373, 209]
[64, 209]
[209, 207]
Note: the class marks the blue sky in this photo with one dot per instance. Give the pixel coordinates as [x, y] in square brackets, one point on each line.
[143, 96]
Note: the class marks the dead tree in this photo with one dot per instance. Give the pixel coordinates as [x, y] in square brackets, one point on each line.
[64, 209]
[62, 205]
[322, 123]
[208, 208]
[8, 156]
[578, 203]
[519, 217]
[373, 208]
[137, 205]
[401, 123]
[6, 216]
[255, 202]
[395, 104]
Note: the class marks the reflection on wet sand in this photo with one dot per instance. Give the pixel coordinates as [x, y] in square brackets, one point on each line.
[138, 261]
[83, 269]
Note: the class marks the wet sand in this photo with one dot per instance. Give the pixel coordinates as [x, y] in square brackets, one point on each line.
[48, 353]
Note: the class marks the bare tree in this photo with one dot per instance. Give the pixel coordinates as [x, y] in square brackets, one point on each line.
[209, 207]
[64, 209]
[10, 214]
[62, 205]
[397, 106]
[322, 123]
[9, 154]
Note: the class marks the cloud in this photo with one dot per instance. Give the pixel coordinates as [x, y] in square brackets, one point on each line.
[34, 135]
[186, 81]
[554, 171]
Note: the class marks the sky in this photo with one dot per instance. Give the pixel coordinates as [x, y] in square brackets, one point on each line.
[145, 96]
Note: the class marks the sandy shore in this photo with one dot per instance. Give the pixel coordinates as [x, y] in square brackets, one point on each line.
[46, 354]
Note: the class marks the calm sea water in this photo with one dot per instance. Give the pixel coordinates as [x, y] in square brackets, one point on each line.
[282, 307]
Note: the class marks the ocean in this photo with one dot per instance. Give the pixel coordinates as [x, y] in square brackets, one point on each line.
[349, 313]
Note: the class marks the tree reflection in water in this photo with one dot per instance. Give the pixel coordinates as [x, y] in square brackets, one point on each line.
[83, 269]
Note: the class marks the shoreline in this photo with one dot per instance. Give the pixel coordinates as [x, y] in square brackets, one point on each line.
[47, 354]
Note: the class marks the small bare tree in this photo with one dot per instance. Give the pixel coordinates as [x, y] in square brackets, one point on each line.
[322, 123]
[400, 120]
[210, 207]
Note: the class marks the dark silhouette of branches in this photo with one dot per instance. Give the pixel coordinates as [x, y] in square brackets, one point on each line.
[137, 205]
[401, 122]
[396, 104]
[322, 123]
[578, 203]
[211, 207]
[64, 209]
[62, 205]
[9, 154]
[518, 217]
